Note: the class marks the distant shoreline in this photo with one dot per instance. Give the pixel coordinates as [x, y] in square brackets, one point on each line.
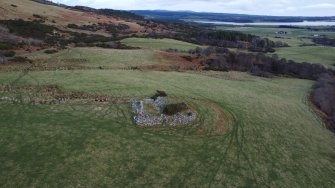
[303, 23]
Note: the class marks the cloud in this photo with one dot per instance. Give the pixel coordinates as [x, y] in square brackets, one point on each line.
[320, 5]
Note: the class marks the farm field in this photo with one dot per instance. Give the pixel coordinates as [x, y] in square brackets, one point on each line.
[159, 44]
[301, 46]
[293, 42]
[312, 54]
[88, 143]
[270, 31]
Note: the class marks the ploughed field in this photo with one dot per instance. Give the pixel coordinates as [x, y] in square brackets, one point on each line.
[74, 127]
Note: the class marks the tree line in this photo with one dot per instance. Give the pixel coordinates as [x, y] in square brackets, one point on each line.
[324, 41]
[263, 65]
[324, 97]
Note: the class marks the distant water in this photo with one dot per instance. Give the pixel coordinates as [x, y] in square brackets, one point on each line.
[305, 23]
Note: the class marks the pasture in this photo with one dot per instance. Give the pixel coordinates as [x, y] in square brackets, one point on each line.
[300, 41]
[277, 142]
[249, 131]
[312, 54]
[270, 31]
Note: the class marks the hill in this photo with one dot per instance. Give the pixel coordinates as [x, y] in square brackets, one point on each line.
[223, 17]
[62, 16]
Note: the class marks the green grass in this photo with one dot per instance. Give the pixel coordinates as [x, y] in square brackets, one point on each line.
[159, 44]
[312, 54]
[98, 57]
[294, 37]
[270, 31]
[293, 42]
[274, 140]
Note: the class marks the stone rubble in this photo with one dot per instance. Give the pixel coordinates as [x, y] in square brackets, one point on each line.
[10, 99]
[142, 118]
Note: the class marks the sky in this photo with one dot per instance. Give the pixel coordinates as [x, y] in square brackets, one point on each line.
[255, 7]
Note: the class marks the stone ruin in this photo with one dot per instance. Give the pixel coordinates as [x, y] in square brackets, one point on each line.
[144, 118]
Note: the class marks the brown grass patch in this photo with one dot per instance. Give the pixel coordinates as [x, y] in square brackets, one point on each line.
[62, 16]
[173, 62]
[52, 94]
[86, 18]
[319, 112]
[221, 123]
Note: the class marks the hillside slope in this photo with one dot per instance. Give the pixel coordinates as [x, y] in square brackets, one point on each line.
[58, 16]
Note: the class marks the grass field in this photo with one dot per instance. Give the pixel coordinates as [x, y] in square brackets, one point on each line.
[296, 38]
[270, 31]
[278, 142]
[312, 54]
[293, 42]
[159, 44]
[98, 57]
